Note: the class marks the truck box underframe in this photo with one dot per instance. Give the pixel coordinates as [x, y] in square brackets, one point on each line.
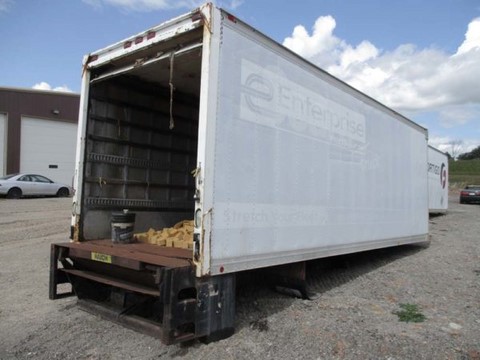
[148, 288]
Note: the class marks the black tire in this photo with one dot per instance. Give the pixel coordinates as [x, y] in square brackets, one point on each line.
[63, 192]
[14, 193]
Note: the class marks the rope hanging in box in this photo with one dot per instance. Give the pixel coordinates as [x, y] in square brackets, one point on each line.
[172, 88]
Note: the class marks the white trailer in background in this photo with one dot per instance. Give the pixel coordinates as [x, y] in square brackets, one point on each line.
[289, 163]
[437, 181]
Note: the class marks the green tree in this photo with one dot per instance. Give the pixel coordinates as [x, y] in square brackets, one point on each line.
[474, 154]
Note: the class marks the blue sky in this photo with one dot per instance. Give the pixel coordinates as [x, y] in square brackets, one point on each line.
[421, 58]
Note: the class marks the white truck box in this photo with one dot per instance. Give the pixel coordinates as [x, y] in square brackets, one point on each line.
[289, 164]
[437, 181]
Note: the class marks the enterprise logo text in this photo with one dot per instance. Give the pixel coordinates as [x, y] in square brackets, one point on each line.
[267, 96]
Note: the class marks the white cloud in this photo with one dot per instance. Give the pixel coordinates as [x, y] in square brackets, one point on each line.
[152, 5]
[472, 37]
[453, 116]
[145, 5]
[5, 5]
[322, 47]
[230, 4]
[441, 143]
[406, 78]
[451, 145]
[46, 86]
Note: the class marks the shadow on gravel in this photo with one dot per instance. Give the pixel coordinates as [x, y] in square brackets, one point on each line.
[436, 215]
[328, 273]
[257, 300]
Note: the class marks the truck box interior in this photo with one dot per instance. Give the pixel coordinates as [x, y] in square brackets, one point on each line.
[142, 131]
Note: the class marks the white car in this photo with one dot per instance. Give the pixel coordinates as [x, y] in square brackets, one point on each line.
[17, 185]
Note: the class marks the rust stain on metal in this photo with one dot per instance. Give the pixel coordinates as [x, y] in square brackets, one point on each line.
[76, 231]
[90, 58]
[208, 26]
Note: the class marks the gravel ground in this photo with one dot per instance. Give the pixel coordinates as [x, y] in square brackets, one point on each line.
[351, 317]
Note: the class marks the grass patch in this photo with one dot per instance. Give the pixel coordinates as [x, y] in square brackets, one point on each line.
[464, 172]
[410, 313]
[466, 167]
[462, 180]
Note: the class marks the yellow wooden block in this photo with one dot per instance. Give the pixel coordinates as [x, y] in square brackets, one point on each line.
[151, 234]
[180, 244]
[141, 237]
[178, 225]
[179, 235]
[172, 232]
[188, 237]
[164, 235]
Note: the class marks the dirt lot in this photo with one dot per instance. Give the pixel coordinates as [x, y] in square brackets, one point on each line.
[352, 316]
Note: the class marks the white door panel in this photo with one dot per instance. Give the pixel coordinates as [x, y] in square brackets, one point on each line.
[48, 148]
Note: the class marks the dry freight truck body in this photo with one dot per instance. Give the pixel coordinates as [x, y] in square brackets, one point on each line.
[276, 161]
[437, 181]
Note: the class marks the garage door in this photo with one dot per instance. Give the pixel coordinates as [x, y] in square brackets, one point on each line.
[48, 148]
[3, 143]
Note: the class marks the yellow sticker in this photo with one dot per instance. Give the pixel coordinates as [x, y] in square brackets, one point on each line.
[102, 257]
